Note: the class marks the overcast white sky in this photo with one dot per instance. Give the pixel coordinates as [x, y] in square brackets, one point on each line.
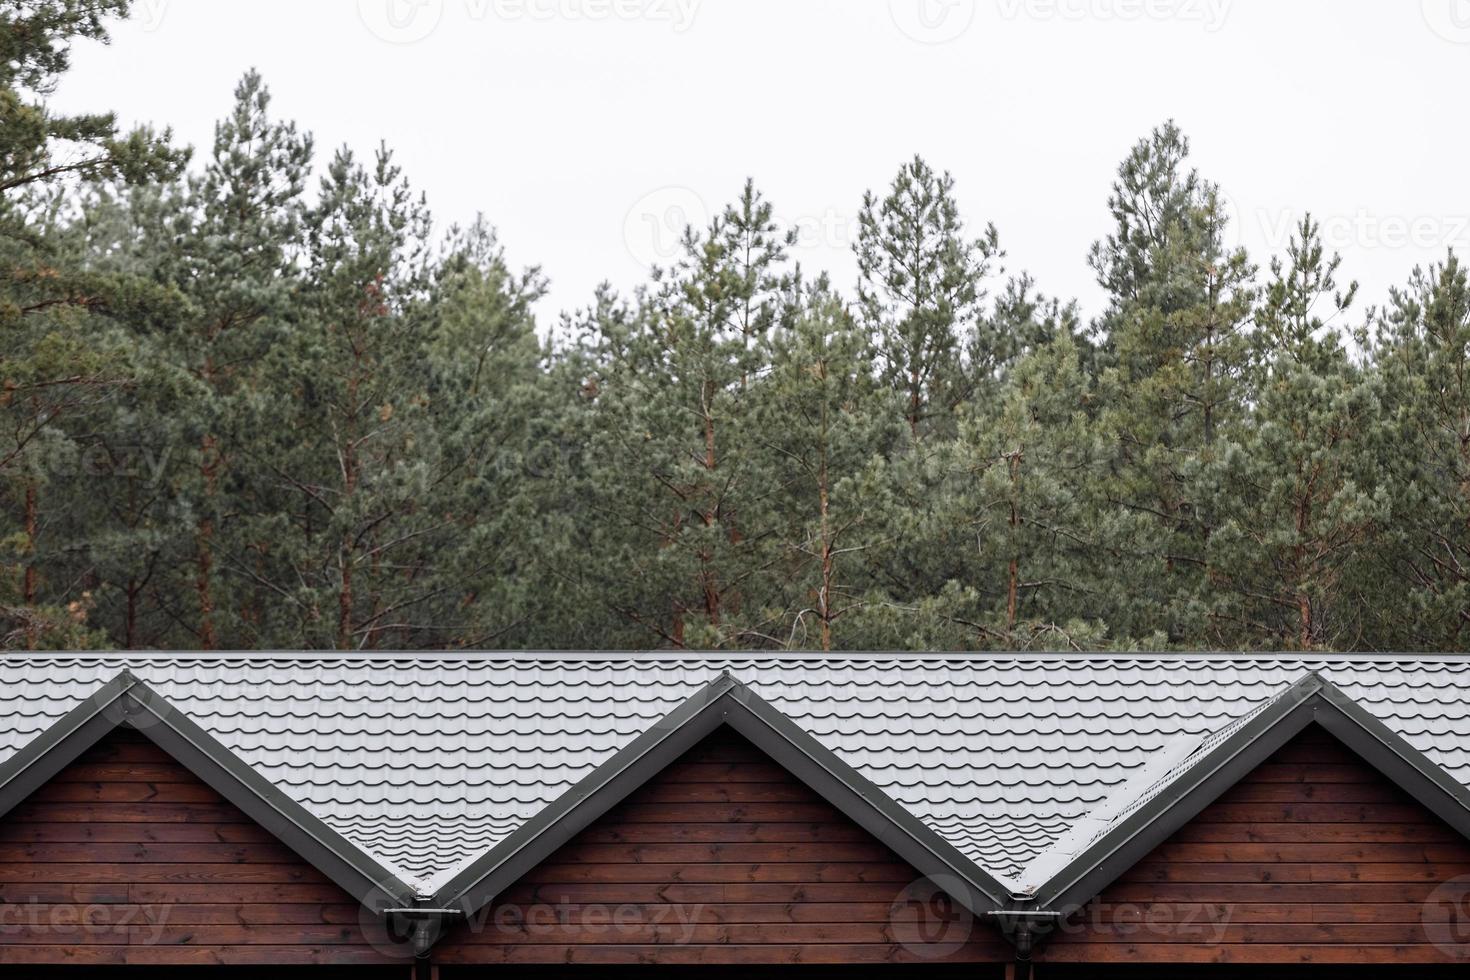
[582, 128]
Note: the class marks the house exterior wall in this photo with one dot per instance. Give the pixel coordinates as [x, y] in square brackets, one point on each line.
[723, 858]
[125, 857]
[1313, 858]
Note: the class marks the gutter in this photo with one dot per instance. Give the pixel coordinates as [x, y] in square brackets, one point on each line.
[422, 924]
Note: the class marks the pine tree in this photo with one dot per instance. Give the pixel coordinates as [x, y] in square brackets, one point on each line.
[1172, 351]
[672, 417]
[823, 419]
[1423, 350]
[353, 442]
[921, 292]
[64, 360]
[1298, 489]
[1016, 490]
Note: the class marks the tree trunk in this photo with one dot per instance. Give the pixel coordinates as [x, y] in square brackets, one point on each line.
[204, 544]
[915, 402]
[130, 626]
[1303, 601]
[29, 584]
[1013, 590]
[708, 579]
[824, 600]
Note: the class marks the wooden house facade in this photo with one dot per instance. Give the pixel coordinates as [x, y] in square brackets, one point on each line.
[1306, 838]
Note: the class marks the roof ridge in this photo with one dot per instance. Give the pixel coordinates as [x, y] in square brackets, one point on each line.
[595, 656]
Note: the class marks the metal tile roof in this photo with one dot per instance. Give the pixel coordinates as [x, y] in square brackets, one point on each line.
[425, 761]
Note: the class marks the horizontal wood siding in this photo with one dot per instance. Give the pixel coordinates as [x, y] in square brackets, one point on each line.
[1312, 858]
[126, 857]
[724, 858]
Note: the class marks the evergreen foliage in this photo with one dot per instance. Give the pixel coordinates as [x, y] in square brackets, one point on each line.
[260, 402]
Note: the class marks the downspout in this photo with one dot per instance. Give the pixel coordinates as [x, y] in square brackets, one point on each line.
[424, 927]
[1024, 928]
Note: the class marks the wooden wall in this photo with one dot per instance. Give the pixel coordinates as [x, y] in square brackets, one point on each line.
[125, 857]
[1312, 858]
[724, 858]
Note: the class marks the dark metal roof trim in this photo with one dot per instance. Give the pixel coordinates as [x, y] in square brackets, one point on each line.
[1313, 699]
[725, 701]
[126, 702]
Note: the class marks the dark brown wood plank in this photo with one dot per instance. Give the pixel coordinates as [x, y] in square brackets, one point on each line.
[1284, 792]
[733, 792]
[690, 955]
[718, 872]
[1144, 893]
[719, 833]
[1304, 953]
[1264, 872]
[525, 892]
[172, 913]
[1191, 852]
[602, 930]
[811, 812]
[1316, 772]
[285, 893]
[766, 853]
[1322, 833]
[188, 955]
[125, 813]
[123, 771]
[93, 792]
[143, 872]
[96, 852]
[143, 833]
